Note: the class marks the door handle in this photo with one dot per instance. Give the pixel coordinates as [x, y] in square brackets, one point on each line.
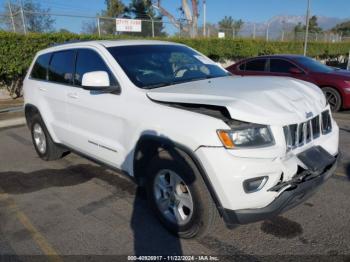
[42, 89]
[73, 95]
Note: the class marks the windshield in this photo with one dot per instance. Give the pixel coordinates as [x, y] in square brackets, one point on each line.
[314, 65]
[151, 66]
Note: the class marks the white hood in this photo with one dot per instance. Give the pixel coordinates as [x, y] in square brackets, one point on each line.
[255, 99]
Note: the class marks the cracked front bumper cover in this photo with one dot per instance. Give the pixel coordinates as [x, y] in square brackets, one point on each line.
[288, 199]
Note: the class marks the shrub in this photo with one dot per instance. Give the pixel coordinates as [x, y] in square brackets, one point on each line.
[17, 51]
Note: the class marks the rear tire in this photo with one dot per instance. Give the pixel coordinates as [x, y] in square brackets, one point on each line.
[196, 212]
[45, 147]
[333, 98]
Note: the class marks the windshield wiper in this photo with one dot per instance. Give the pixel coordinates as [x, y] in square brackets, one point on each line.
[200, 78]
[162, 84]
[157, 85]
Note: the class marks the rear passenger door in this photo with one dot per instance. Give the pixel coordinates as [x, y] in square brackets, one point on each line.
[96, 118]
[254, 67]
[58, 78]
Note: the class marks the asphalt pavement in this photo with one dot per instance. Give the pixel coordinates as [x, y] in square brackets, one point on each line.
[73, 208]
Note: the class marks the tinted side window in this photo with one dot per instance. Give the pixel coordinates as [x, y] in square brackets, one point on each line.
[242, 67]
[88, 61]
[280, 66]
[62, 67]
[255, 65]
[39, 70]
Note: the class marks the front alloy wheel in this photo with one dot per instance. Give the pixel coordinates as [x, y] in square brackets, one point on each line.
[178, 195]
[173, 197]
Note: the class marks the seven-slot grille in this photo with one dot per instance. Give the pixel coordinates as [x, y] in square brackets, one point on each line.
[299, 134]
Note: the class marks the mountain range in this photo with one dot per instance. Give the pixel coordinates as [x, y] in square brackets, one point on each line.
[287, 23]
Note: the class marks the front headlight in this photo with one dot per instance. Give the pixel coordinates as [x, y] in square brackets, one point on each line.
[245, 137]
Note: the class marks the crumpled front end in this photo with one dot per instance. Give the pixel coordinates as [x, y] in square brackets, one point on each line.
[256, 183]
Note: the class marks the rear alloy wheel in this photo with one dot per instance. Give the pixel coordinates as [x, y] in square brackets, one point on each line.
[333, 98]
[39, 138]
[45, 147]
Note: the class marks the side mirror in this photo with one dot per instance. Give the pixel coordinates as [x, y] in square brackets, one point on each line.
[96, 80]
[295, 71]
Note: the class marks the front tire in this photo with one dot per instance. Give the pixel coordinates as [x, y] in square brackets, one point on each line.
[42, 141]
[333, 98]
[178, 195]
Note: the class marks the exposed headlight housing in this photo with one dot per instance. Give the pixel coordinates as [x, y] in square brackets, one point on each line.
[246, 137]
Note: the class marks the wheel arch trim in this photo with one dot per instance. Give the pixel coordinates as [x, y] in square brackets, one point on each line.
[167, 143]
[28, 108]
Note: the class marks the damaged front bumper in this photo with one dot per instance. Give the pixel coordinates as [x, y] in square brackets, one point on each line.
[295, 191]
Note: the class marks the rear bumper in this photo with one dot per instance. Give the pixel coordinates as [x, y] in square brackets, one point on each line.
[284, 202]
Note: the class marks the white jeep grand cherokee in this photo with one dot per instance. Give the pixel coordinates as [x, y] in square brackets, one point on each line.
[203, 143]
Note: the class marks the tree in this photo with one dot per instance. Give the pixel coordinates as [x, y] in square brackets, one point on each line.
[298, 28]
[230, 26]
[114, 9]
[313, 25]
[143, 9]
[36, 18]
[64, 31]
[211, 29]
[343, 29]
[237, 26]
[191, 16]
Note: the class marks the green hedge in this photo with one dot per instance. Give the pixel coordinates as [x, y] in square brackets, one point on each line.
[17, 51]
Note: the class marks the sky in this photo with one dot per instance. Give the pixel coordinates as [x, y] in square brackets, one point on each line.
[247, 10]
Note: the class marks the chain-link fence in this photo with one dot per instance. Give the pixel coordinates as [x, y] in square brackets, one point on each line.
[273, 34]
[28, 21]
[23, 21]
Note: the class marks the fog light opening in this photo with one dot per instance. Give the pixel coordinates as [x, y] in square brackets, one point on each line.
[254, 184]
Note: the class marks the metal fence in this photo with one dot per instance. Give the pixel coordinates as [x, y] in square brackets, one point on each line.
[275, 34]
[24, 21]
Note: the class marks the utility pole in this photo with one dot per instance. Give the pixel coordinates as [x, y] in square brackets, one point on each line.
[267, 31]
[152, 26]
[98, 26]
[307, 26]
[254, 31]
[22, 15]
[12, 20]
[204, 17]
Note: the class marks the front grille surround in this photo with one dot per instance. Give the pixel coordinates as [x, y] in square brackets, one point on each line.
[297, 135]
[326, 122]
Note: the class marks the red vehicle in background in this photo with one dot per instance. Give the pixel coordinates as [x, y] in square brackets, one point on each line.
[335, 83]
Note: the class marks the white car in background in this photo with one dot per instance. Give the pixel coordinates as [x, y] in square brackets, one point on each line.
[202, 142]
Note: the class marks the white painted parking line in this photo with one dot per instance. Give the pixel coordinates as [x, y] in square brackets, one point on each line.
[12, 122]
